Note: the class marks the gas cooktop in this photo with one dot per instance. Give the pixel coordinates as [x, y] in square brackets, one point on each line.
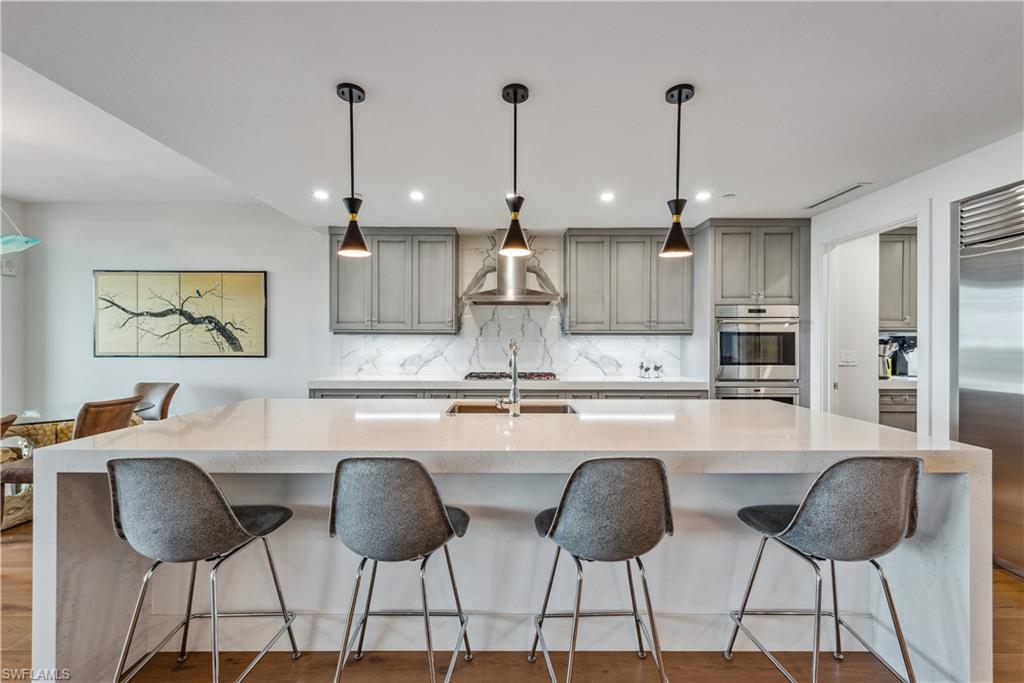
[508, 375]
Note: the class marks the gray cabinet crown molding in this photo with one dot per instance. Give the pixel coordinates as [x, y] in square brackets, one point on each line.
[615, 283]
[408, 285]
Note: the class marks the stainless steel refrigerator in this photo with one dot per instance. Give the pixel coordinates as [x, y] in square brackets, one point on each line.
[991, 353]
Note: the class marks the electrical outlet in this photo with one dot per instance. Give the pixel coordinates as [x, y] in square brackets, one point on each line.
[847, 359]
[8, 267]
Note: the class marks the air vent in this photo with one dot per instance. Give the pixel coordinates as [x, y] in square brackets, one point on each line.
[836, 195]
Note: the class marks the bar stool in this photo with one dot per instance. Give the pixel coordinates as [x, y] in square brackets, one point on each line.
[158, 521]
[612, 510]
[857, 510]
[389, 510]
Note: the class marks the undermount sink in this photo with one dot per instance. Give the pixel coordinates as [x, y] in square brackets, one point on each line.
[524, 408]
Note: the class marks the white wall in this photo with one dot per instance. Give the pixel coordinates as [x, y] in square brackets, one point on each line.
[78, 238]
[853, 316]
[925, 197]
[12, 318]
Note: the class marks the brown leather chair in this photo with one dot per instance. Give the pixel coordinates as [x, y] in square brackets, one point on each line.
[104, 416]
[15, 471]
[160, 395]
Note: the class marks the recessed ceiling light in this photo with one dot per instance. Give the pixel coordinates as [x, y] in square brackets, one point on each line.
[703, 196]
[607, 196]
[321, 195]
[416, 196]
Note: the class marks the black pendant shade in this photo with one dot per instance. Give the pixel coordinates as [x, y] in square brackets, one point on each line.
[676, 245]
[353, 244]
[515, 242]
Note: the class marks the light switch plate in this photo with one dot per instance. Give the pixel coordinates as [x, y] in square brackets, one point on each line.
[847, 359]
[8, 267]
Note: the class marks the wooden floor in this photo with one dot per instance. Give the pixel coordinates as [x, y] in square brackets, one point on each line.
[395, 667]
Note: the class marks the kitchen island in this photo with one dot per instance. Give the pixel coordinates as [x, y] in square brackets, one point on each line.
[720, 455]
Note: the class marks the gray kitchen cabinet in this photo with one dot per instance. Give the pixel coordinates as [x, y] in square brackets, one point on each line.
[630, 283]
[647, 395]
[391, 282]
[434, 272]
[408, 284]
[757, 264]
[350, 291]
[671, 292]
[364, 393]
[898, 408]
[588, 279]
[581, 395]
[616, 283]
[375, 392]
[897, 281]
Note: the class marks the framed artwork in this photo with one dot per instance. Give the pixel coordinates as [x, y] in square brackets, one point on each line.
[180, 313]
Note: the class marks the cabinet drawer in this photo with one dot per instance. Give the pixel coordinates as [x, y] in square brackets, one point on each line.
[674, 395]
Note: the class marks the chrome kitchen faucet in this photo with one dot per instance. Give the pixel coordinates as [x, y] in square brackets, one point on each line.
[512, 401]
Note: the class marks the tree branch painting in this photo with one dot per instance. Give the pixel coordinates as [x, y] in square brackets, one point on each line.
[180, 314]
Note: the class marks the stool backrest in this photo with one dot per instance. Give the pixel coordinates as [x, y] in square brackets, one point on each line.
[170, 509]
[388, 509]
[99, 417]
[857, 509]
[613, 509]
[160, 395]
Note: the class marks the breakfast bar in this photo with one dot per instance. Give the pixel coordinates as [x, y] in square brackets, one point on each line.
[720, 456]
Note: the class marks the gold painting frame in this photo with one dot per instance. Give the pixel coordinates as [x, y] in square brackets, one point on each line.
[180, 313]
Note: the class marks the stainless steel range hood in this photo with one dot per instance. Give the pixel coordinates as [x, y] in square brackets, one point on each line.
[512, 290]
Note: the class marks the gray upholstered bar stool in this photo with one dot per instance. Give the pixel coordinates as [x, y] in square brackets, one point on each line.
[162, 523]
[857, 510]
[389, 510]
[612, 510]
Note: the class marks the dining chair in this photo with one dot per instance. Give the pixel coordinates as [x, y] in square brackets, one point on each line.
[98, 417]
[160, 395]
[14, 471]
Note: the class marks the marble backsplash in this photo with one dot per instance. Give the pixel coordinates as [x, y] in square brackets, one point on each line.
[481, 344]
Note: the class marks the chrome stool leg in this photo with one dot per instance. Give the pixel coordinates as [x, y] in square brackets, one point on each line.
[183, 651]
[654, 627]
[816, 640]
[134, 622]
[280, 598]
[838, 652]
[532, 657]
[358, 654]
[458, 603]
[746, 597]
[215, 650]
[426, 619]
[636, 615]
[895, 622]
[343, 653]
[575, 617]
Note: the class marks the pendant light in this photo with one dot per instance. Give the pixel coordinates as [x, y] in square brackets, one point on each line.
[515, 243]
[676, 245]
[353, 244]
[10, 244]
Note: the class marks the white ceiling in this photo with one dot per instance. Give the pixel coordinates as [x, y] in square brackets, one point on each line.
[794, 100]
[59, 148]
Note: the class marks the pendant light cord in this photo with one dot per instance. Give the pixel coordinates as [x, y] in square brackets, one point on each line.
[515, 147]
[351, 146]
[679, 127]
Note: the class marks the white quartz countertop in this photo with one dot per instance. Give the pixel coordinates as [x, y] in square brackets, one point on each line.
[581, 384]
[310, 435]
[899, 383]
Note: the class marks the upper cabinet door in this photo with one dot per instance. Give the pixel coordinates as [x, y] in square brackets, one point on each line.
[588, 279]
[779, 265]
[350, 291]
[391, 265]
[630, 283]
[897, 282]
[433, 290]
[736, 265]
[671, 292]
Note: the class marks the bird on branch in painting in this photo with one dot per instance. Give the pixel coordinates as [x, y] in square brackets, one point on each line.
[199, 294]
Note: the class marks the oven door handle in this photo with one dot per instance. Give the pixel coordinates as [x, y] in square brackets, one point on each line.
[758, 321]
